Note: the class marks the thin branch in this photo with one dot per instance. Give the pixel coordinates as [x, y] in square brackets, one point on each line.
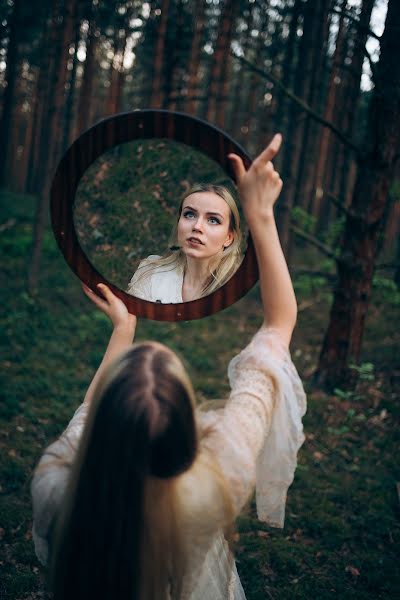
[372, 66]
[383, 266]
[315, 242]
[343, 138]
[354, 19]
[339, 204]
[314, 273]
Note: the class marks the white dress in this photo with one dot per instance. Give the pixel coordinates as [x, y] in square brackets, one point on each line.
[254, 439]
[163, 284]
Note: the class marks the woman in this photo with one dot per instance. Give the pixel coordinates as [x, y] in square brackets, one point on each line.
[206, 246]
[140, 504]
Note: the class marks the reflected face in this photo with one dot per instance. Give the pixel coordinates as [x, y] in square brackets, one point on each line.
[203, 227]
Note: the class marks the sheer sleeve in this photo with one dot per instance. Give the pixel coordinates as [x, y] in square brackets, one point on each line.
[50, 480]
[258, 434]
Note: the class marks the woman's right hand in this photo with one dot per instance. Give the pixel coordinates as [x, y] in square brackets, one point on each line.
[111, 306]
[260, 186]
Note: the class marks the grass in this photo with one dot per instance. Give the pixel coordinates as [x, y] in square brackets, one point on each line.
[341, 536]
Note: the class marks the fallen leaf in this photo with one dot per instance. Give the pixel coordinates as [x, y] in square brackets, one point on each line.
[352, 570]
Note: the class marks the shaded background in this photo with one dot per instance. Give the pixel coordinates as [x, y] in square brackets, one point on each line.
[326, 74]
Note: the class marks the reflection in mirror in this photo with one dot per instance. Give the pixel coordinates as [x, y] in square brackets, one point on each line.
[147, 225]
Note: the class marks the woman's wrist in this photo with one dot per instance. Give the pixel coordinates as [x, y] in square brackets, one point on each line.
[261, 219]
[126, 327]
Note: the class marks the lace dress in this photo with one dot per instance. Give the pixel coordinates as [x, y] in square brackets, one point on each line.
[255, 440]
[161, 284]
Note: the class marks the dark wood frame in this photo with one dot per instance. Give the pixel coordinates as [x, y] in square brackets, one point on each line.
[126, 127]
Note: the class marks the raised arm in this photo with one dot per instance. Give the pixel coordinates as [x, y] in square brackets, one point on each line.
[124, 326]
[259, 188]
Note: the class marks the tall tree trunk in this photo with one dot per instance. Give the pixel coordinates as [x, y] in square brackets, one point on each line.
[295, 131]
[320, 173]
[241, 83]
[51, 130]
[194, 60]
[360, 244]
[10, 79]
[287, 66]
[221, 63]
[117, 75]
[354, 92]
[27, 145]
[85, 104]
[69, 105]
[315, 94]
[157, 95]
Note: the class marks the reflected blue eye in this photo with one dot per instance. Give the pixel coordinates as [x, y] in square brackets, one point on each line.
[188, 214]
[214, 221]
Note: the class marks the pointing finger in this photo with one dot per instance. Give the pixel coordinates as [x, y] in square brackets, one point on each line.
[271, 150]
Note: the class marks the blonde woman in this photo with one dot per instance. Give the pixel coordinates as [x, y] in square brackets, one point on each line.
[137, 498]
[206, 249]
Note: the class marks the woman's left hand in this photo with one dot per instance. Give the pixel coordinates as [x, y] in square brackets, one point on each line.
[111, 306]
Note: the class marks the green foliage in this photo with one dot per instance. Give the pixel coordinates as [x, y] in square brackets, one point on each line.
[365, 371]
[303, 219]
[334, 232]
[341, 532]
[386, 291]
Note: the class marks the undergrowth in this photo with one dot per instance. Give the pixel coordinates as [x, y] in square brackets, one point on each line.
[341, 535]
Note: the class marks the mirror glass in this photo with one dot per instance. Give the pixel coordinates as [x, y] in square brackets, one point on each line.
[127, 201]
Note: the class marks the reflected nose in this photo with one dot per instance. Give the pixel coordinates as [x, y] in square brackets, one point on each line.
[197, 224]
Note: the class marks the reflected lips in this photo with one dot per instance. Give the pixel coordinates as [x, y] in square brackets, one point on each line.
[194, 240]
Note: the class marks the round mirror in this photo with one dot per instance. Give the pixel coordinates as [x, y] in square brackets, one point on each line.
[116, 201]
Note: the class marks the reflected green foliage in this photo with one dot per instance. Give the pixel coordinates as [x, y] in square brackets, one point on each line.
[127, 202]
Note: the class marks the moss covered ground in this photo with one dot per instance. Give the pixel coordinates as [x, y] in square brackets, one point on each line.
[342, 532]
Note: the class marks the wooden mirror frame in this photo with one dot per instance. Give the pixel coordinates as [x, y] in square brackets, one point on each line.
[126, 127]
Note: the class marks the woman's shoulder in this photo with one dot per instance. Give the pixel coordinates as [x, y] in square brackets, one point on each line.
[152, 258]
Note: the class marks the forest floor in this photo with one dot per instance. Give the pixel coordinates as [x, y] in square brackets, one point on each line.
[342, 531]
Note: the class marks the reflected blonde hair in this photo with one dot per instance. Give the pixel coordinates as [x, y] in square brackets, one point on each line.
[231, 257]
[139, 485]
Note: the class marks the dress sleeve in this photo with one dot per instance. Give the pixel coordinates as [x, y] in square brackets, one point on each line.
[258, 434]
[140, 284]
[50, 480]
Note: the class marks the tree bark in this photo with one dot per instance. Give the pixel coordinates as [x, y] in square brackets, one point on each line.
[360, 244]
[320, 173]
[360, 36]
[320, 32]
[194, 60]
[70, 100]
[239, 108]
[85, 96]
[220, 67]
[157, 95]
[117, 75]
[295, 131]
[50, 129]
[10, 79]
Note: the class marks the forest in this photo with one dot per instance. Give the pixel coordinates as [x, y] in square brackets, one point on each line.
[324, 73]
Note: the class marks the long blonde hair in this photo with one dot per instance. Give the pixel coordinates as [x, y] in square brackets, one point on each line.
[121, 532]
[231, 258]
